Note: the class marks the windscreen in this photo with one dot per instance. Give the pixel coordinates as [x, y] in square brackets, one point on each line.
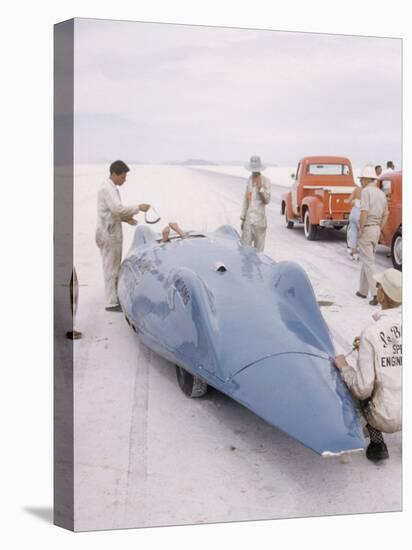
[328, 169]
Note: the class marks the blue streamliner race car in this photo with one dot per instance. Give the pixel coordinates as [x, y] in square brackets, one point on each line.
[230, 317]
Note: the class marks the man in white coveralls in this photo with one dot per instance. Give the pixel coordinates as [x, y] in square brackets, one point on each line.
[373, 216]
[109, 235]
[376, 378]
[257, 196]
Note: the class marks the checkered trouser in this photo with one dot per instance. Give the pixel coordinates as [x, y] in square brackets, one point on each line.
[375, 435]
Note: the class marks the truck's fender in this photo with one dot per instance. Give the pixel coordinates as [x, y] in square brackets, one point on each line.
[315, 206]
[283, 202]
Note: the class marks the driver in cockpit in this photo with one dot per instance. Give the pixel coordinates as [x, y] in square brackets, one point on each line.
[176, 228]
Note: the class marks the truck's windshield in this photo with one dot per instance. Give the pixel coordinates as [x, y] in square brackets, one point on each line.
[328, 169]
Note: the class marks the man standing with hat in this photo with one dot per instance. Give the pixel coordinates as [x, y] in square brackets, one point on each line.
[376, 379]
[373, 216]
[257, 196]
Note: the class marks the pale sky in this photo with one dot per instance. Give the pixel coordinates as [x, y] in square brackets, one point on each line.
[147, 92]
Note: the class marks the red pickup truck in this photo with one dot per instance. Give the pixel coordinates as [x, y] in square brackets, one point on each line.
[317, 198]
[391, 235]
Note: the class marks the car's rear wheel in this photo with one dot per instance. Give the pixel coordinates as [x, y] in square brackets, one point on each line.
[192, 386]
[309, 228]
[396, 250]
[288, 223]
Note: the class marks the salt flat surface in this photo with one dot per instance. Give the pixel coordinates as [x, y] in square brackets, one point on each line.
[145, 454]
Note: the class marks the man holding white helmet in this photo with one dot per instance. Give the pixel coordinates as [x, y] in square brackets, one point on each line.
[373, 216]
[376, 379]
[257, 196]
[109, 236]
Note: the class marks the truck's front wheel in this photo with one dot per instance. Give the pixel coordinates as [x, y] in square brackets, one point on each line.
[288, 223]
[396, 250]
[309, 228]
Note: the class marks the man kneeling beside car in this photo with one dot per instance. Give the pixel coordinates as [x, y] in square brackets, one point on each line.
[376, 378]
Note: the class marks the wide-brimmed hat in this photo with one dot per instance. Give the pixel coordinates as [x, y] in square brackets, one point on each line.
[255, 164]
[368, 172]
[391, 283]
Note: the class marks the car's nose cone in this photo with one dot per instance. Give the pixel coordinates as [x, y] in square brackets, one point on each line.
[304, 396]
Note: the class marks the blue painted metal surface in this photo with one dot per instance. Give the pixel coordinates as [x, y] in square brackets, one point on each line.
[248, 326]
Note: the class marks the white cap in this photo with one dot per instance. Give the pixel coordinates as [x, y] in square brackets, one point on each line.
[255, 164]
[391, 283]
[368, 172]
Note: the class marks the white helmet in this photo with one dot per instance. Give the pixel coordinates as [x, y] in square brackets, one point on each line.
[368, 172]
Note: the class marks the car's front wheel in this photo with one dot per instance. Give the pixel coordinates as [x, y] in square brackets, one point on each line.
[131, 325]
[309, 228]
[192, 386]
[396, 250]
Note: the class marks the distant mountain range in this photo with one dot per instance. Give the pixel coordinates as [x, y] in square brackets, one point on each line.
[202, 162]
[192, 162]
